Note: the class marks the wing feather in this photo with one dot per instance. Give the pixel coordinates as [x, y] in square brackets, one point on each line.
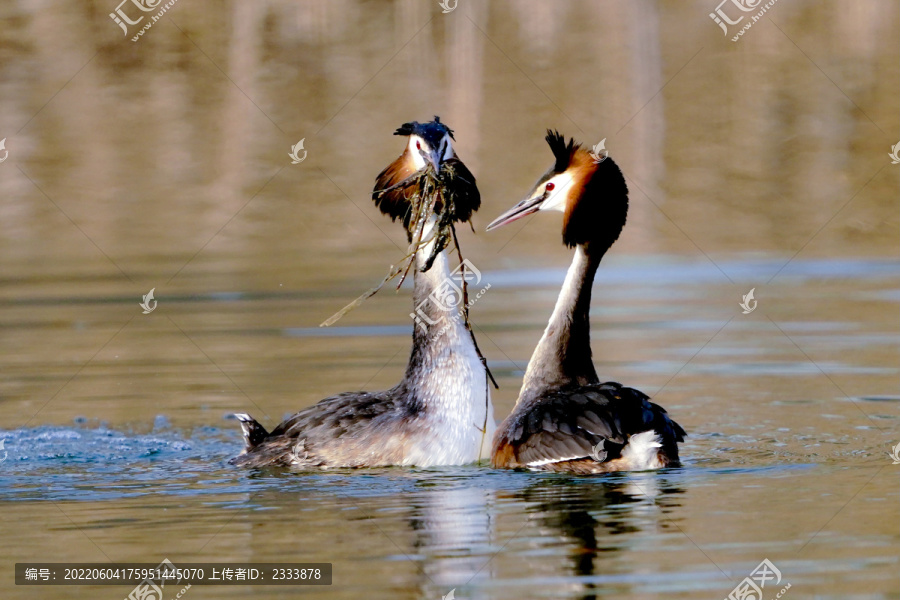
[566, 425]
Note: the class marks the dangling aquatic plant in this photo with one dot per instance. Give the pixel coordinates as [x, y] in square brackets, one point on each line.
[427, 192]
[450, 196]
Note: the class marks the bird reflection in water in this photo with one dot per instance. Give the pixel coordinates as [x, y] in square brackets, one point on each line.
[456, 531]
[588, 515]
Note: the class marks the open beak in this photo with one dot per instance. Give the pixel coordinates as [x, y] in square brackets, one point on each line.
[522, 209]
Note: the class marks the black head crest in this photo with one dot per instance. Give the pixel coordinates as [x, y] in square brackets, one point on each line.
[437, 120]
[561, 150]
[432, 131]
[406, 128]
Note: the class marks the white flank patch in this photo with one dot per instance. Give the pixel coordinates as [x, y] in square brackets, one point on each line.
[642, 451]
[549, 461]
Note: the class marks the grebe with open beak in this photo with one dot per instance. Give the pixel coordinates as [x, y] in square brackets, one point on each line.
[565, 419]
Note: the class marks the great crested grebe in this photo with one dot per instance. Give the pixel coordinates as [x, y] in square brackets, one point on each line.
[440, 413]
[565, 419]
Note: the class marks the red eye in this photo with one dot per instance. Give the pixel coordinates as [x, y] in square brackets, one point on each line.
[550, 187]
[418, 145]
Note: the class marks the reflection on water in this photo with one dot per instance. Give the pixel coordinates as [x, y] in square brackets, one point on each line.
[420, 533]
[164, 164]
[574, 513]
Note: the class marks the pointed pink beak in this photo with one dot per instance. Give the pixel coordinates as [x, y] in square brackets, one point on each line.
[522, 209]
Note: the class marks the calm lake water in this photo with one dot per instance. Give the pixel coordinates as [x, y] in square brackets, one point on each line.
[163, 163]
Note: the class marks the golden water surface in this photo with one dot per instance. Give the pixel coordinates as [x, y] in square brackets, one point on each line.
[164, 164]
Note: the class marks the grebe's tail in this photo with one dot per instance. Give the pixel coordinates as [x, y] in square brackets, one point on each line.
[254, 433]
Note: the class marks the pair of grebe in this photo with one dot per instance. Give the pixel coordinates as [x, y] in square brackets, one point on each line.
[565, 418]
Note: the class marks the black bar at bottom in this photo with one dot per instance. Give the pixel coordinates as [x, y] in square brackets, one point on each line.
[169, 575]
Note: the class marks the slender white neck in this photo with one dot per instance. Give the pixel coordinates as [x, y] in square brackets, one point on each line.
[445, 376]
[437, 312]
[563, 355]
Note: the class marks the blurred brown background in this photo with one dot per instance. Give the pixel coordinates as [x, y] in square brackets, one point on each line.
[164, 164]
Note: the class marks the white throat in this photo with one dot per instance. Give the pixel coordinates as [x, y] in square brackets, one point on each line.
[451, 380]
[417, 144]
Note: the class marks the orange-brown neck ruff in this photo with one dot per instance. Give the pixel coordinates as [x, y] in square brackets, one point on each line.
[391, 195]
[598, 204]
[397, 185]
